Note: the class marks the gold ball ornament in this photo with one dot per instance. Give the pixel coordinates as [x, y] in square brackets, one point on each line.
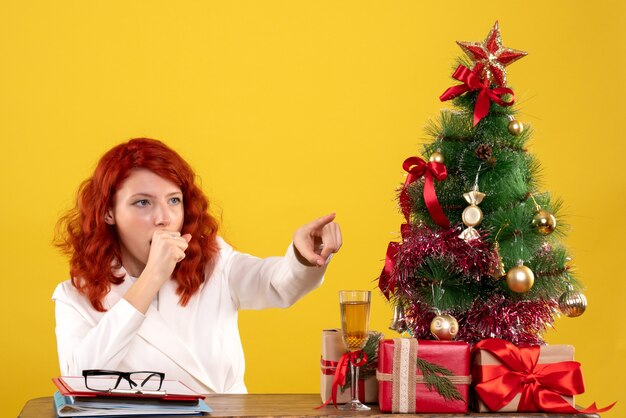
[520, 279]
[544, 221]
[444, 327]
[516, 127]
[437, 157]
[572, 303]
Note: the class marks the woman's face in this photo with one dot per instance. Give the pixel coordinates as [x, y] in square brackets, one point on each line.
[144, 203]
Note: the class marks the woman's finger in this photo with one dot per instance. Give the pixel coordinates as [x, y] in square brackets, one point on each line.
[318, 239]
[338, 237]
[319, 223]
[331, 240]
[307, 251]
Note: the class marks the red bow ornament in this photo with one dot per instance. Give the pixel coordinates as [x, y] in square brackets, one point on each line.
[541, 386]
[386, 281]
[357, 358]
[472, 81]
[416, 169]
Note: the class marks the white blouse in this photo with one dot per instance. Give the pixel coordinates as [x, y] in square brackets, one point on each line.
[198, 344]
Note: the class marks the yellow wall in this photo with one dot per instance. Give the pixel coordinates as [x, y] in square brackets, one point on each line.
[289, 110]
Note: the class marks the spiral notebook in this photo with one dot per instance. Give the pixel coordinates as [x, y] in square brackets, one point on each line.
[71, 406]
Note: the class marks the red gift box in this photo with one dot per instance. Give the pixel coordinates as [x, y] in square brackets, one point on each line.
[528, 379]
[332, 350]
[401, 386]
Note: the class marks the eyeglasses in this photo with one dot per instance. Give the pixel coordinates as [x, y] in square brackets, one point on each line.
[115, 381]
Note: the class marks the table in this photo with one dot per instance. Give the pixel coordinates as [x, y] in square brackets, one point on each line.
[286, 406]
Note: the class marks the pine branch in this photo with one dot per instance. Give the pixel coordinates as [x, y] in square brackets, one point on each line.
[435, 378]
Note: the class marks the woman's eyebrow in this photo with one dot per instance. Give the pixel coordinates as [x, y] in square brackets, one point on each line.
[143, 194]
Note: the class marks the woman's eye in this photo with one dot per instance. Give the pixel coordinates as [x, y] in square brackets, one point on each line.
[175, 200]
[141, 203]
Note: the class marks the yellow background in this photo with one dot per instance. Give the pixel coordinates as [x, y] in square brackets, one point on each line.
[289, 110]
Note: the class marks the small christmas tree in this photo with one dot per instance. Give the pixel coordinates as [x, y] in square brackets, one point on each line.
[480, 255]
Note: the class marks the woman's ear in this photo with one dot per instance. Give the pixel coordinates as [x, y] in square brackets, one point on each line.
[109, 218]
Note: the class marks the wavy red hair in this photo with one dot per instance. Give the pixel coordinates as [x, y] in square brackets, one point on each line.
[93, 245]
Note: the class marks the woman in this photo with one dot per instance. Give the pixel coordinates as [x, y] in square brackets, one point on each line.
[152, 285]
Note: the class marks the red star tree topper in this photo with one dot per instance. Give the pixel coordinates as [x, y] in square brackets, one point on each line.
[490, 57]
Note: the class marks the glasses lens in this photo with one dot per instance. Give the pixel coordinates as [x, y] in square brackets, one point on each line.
[147, 380]
[101, 382]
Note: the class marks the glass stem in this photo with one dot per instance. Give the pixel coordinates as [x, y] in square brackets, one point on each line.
[355, 382]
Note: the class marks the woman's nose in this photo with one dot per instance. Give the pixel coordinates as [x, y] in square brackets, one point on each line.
[161, 216]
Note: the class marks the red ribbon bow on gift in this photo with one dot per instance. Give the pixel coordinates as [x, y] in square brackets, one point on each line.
[540, 385]
[471, 80]
[357, 358]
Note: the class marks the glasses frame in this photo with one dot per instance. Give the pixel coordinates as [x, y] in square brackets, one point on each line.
[124, 376]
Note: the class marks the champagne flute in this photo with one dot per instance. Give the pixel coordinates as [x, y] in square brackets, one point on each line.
[355, 315]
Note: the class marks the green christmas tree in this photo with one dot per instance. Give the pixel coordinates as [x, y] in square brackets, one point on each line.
[481, 253]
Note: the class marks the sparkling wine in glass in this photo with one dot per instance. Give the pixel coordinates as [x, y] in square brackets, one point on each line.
[355, 315]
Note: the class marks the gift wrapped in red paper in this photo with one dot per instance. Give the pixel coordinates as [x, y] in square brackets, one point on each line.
[423, 376]
[332, 350]
[535, 378]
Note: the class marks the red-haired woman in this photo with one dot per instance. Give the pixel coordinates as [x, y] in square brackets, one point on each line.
[152, 285]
